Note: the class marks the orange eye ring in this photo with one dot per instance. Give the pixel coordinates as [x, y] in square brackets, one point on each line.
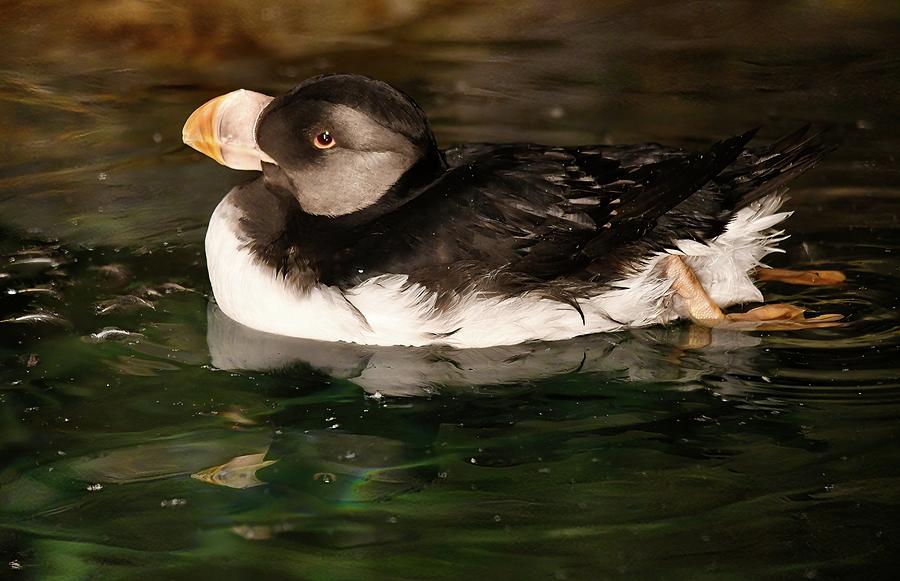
[324, 140]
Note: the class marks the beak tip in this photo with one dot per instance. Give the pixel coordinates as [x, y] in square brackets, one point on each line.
[199, 130]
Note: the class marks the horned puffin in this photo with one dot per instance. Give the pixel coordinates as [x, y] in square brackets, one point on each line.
[358, 228]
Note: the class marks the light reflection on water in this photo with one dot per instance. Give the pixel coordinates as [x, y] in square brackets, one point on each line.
[662, 452]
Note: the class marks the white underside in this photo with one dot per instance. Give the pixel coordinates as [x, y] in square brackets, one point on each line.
[392, 314]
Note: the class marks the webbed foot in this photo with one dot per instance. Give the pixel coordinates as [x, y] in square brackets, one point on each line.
[775, 317]
[801, 277]
[780, 317]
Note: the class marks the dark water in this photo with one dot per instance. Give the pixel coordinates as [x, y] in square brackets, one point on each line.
[661, 453]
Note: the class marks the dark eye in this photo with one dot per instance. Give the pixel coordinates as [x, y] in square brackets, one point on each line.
[324, 140]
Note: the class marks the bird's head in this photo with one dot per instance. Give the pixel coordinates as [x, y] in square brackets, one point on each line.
[337, 143]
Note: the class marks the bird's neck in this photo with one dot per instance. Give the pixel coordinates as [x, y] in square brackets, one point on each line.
[303, 246]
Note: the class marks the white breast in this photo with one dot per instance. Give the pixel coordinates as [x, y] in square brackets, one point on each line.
[383, 310]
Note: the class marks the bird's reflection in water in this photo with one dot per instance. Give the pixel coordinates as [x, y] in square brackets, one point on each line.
[679, 356]
[683, 352]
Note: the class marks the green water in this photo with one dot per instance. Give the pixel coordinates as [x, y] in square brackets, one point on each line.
[655, 454]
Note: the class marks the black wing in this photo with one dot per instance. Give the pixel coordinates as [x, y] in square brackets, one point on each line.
[704, 214]
[560, 221]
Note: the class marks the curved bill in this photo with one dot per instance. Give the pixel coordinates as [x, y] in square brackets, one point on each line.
[225, 129]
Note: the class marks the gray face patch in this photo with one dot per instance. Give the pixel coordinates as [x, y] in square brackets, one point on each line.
[358, 131]
[349, 180]
[366, 160]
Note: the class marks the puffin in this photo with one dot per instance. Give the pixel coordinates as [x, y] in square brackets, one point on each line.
[357, 227]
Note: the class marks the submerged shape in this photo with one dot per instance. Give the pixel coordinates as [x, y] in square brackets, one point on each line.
[239, 472]
[360, 229]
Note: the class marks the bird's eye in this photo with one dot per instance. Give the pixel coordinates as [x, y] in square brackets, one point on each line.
[324, 140]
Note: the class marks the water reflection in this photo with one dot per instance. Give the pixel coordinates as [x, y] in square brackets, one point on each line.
[653, 354]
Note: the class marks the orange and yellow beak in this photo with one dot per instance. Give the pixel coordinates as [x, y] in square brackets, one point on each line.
[224, 128]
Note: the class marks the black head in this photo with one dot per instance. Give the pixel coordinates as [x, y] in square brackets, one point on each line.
[341, 143]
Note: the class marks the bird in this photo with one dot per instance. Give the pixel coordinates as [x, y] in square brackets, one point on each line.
[358, 228]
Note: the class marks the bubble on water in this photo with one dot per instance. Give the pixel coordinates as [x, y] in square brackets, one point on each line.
[123, 303]
[112, 334]
[15, 565]
[392, 519]
[37, 290]
[97, 487]
[260, 532]
[46, 317]
[497, 518]
[172, 502]
[174, 287]
[157, 137]
[325, 477]
[118, 273]
[102, 176]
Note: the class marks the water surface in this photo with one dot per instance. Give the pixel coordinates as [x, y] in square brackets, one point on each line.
[661, 453]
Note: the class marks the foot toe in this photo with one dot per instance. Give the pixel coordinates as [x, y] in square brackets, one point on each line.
[813, 323]
[773, 312]
[781, 317]
[802, 277]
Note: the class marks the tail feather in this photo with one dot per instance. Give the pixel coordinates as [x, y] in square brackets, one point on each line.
[758, 173]
[662, 186]
[696, 201]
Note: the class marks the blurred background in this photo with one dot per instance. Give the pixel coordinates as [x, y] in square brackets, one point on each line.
[651, 454]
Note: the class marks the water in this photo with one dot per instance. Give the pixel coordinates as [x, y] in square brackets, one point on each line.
[660, 453]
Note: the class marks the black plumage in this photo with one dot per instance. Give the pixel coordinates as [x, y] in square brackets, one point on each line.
[509, 219]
